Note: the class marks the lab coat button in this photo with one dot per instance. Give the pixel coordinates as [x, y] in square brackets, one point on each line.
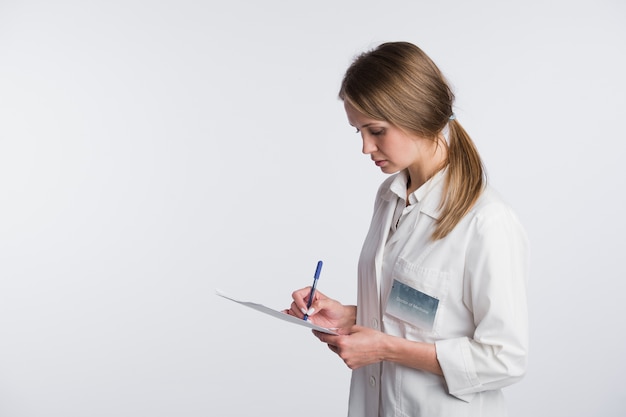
[372, 381]
[374, 324]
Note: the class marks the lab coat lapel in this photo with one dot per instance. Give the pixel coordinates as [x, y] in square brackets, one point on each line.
[384, 217]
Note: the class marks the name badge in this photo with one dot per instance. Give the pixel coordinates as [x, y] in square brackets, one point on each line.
[412, 306]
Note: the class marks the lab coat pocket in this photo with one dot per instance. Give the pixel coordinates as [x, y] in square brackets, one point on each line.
[416, 301]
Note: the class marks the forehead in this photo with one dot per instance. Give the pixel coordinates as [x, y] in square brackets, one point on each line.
[358, 119]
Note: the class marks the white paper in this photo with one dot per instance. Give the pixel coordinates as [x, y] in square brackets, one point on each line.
[278, 314]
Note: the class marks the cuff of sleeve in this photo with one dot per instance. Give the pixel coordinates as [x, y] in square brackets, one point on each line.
[459, 371]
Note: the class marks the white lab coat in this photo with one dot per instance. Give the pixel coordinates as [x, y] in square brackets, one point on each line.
[479, 275]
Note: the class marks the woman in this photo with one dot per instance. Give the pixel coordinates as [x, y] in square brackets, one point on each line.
[440, 324]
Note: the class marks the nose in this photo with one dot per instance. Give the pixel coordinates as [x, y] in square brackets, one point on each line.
[368, 144]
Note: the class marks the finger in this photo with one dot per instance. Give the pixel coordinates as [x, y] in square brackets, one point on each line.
[329, 339]
[294, 311]
[300, 299]
[289, 312]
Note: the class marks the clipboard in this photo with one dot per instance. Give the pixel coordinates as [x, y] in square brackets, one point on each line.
[278, 314]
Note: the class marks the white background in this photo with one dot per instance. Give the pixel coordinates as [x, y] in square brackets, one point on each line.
[152, 151]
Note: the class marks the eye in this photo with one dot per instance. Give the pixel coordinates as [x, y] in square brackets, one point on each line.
[377, 132]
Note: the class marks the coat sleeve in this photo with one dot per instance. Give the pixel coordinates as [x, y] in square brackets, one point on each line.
[495, 290]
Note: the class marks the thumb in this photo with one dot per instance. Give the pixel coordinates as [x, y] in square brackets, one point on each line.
[345, 331]
[324, 303]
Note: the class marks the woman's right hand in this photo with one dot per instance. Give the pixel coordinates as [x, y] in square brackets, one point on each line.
[324, 311]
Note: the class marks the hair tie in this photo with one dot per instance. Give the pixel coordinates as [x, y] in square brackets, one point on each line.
[452, 116]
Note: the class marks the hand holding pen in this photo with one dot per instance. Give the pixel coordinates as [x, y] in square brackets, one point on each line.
[329, 313]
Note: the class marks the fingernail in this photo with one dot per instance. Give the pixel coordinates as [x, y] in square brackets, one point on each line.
[311, 311]
[303, 310]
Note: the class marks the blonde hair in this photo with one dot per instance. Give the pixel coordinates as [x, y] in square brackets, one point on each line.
[398, 83]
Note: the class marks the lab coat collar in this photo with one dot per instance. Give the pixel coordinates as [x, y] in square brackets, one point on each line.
[428, 196]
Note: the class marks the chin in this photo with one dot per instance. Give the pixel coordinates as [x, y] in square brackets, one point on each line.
[389, 170]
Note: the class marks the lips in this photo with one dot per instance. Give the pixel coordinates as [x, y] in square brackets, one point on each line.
[380, 162]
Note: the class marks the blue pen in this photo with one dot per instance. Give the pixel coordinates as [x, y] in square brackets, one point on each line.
[312, 293]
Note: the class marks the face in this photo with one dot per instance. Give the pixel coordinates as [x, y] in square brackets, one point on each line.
[391, 148]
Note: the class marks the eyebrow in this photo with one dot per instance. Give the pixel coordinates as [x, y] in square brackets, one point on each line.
[364, 126]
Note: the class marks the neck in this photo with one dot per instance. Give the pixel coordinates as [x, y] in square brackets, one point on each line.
[420, 173]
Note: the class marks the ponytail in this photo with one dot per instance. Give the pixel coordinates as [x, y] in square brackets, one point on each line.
[465, 180]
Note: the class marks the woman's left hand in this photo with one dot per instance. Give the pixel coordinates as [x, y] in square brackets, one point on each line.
[358, 346]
